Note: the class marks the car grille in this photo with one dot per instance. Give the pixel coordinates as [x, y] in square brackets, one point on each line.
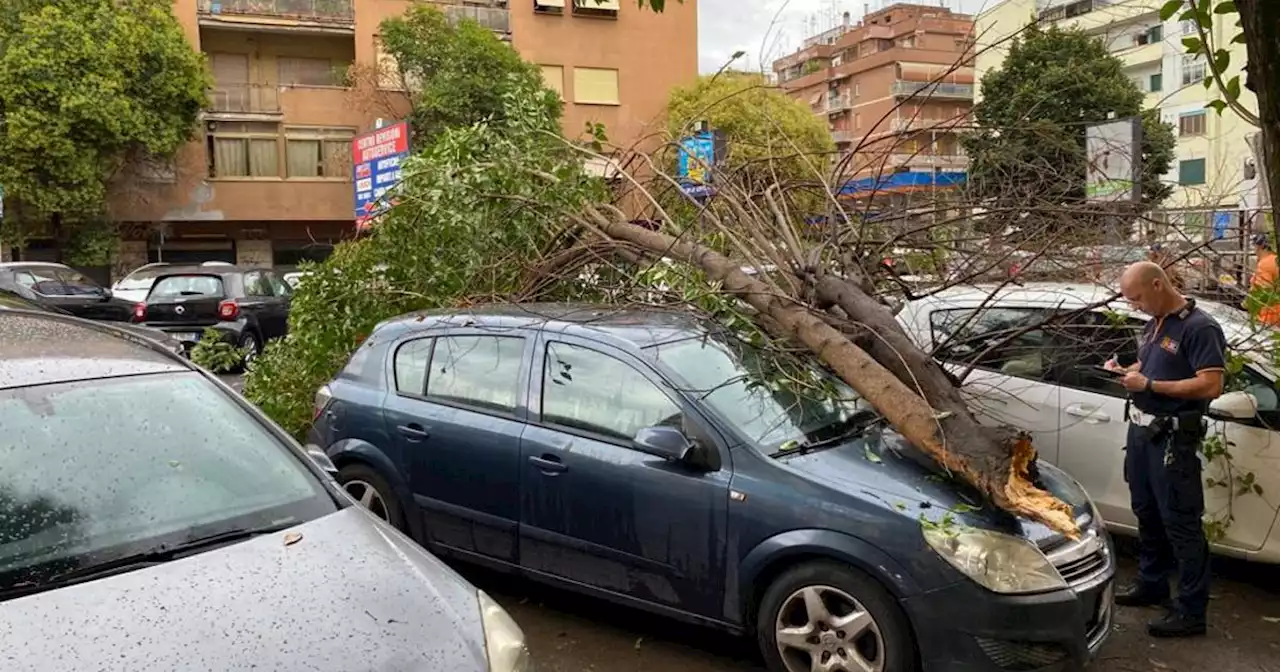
[1081, 561]
[1019, 656]
[1083, 569]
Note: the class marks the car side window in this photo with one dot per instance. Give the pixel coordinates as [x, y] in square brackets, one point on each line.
[411, 362]
[278, 287]
[1086, 342]
[480, 371]
[255, 284]
[589, 391]
[995, 338]
[1264, 391]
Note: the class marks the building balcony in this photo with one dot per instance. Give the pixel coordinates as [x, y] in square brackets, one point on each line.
[250, 100]
[930, 160]
[838, 104]
[332, 13]
[1139, 54]
[842, 137]
[928, 90]
[497, 19]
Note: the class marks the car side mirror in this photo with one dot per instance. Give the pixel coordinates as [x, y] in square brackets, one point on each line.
[665, 442]
[106, 294]
[1234, 406]
[318, 456]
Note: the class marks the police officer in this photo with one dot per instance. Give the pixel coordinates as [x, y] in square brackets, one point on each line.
[1180, 368]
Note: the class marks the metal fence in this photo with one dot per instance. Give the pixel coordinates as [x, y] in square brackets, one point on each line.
[493, 18]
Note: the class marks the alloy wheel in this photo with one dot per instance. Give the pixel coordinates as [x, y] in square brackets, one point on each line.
[369, 498]
[824, 629]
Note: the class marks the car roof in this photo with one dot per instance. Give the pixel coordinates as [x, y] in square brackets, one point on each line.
[39, 348]
[639, 326]
[199, 269]
[32, 264]
[1074, 296]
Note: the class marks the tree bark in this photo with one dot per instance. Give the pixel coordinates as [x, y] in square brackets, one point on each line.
[1260, 20]
[995, 461]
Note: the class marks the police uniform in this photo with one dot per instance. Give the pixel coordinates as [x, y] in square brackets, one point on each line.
[1162, 463]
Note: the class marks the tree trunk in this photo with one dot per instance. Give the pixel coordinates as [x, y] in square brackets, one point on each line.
[1260, 20]
[995, 461]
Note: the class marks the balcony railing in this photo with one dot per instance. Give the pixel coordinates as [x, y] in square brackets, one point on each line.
[838, 104]
[329, 11]
[927, 90]
[844, 136]
[928, 159]
[244, 99]
[493, 18]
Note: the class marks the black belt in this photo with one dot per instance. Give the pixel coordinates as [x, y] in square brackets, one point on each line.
[1161, 421]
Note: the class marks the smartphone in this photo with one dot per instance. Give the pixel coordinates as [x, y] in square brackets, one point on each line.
[1110, 372]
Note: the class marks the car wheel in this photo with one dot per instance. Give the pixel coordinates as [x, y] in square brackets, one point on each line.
[251, 346]
[372, 491]
[829, 616]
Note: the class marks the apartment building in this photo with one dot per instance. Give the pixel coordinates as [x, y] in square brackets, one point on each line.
[894, 89]
[1213, 170]
[269, 179]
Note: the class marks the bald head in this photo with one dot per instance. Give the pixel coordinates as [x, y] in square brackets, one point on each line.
[1146, 286]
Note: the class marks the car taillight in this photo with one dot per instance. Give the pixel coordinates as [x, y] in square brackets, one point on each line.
[228, 310]
[139, 311]
[322, 399]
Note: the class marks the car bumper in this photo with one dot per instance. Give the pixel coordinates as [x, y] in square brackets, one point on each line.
[966, 628]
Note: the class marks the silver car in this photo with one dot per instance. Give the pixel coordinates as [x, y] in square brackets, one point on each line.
[150, 519]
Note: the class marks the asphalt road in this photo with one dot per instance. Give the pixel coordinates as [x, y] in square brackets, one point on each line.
[568, 633]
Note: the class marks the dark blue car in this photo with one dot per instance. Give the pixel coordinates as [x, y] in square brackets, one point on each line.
[651, 459]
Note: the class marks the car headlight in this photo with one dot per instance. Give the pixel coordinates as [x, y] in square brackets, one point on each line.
[503, 639]
[998, 562]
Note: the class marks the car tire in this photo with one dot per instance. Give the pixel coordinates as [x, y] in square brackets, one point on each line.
[829, 609]
[373, 492]
[249, 341]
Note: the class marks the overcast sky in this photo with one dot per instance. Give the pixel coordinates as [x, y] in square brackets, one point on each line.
[777, 27]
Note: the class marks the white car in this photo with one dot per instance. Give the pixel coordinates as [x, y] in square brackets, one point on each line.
[1046, 380]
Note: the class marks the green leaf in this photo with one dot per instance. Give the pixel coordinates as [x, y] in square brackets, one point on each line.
[1233, 88]
[1192, 45]
[1188, 15]
[1217, 106]
[1227, 7]
[1203, 7]
[1208, 82]
[965, 508]
[1239, 38]
[1169, 9]
[1221, 59]
[789, 445]
[871, 456]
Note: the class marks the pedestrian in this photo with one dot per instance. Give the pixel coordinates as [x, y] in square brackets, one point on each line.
[1264, 296]
[1180, 369]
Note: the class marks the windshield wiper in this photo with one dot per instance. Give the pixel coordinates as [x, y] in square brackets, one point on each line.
[155, 555]
[850, 426]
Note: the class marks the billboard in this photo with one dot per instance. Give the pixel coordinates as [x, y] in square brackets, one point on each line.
[376, 157]
[1113, 150]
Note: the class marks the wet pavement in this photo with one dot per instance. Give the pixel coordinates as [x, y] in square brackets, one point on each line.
[568, 633]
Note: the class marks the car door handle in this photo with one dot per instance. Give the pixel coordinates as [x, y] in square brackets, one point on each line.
[1089, 413]
[548, 464]
[413, 431]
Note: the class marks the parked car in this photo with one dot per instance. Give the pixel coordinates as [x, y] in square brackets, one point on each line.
[10, 301]
[63, 287]
[249, 306]
[1046, 381]
[134, 286]
[642, 457]
[153, 519]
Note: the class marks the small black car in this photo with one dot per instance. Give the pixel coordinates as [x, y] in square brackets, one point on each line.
[248, 305]
[58, 286]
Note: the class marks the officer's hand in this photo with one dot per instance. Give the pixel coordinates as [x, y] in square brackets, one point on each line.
[1113, 365]
[1134, 381]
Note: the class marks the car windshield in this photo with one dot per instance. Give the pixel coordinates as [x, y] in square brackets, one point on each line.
[140, 279]
[89, 474]
[794, 402]
[187, 285]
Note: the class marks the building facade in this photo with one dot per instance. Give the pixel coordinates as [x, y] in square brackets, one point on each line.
[894, 88]
[268, 180]
[1213, 172]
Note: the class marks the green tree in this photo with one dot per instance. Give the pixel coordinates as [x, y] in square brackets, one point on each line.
[1029, 144]
[768, 133]
[86, 87]
[457, 74]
